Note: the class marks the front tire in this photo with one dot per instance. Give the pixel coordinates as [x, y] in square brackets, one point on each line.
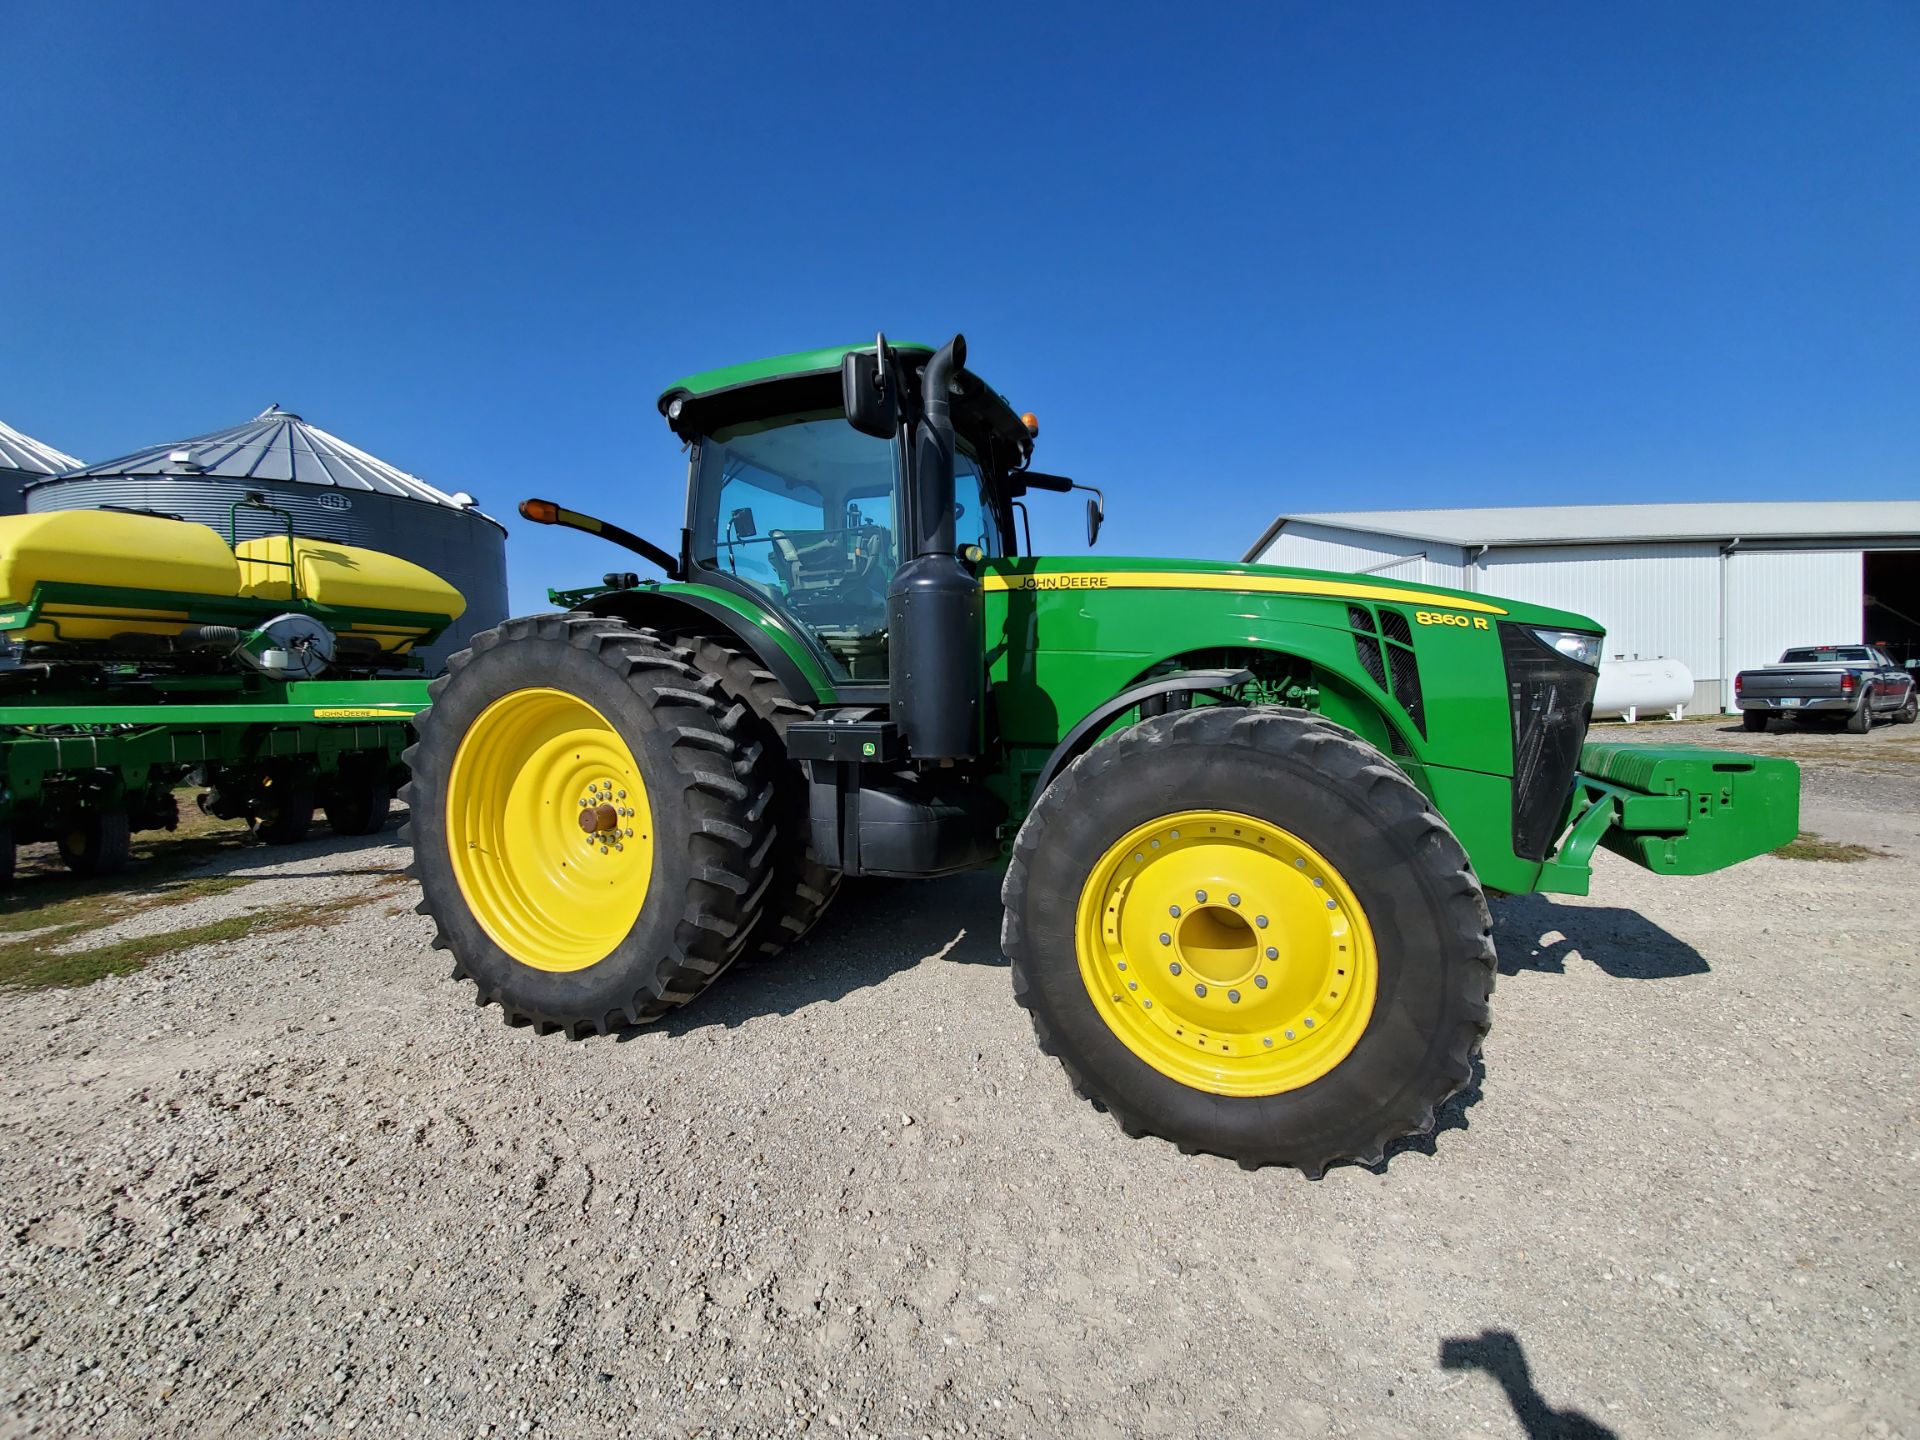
[1910, 711]
[591, 821]
[1247, 932]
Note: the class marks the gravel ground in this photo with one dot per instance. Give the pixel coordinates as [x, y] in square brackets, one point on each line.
[299, 1184]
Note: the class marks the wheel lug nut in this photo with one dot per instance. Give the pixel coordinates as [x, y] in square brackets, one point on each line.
[1267, 1041]
[1234, 996]
[1233, 899]
[1165, 938]
[1175, 967]
[1201, 896]
[1261, 921]
[1259, 982]
[585, 803]
[1332, 906]
[621, 796]
[1174, 910]
[1272, 954]
[1200, 990]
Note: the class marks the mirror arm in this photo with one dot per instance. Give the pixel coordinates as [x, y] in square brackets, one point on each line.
[545, 512]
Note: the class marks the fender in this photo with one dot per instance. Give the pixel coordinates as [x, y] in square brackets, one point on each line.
[1162, 689]
[681, 609]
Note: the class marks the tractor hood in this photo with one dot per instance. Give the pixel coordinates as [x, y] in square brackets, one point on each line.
[1143, 573]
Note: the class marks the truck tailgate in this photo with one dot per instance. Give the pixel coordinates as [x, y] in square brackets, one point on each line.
[1810, 684]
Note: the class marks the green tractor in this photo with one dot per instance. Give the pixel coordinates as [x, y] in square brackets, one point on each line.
[1249, 816]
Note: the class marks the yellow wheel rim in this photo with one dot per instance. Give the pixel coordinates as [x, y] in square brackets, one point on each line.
[549, 829]
[1226, 953]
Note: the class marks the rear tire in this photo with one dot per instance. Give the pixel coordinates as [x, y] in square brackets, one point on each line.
[98, 843]
[1861, 720]
[801, 889]
[563, 927]
[1360, 915]
[1754, 720]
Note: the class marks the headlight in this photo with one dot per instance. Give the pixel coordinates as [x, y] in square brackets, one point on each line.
[1577, 645]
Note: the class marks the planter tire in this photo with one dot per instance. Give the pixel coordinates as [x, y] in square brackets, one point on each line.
[1246, 931]
[360, 808]
[98, 843]
[567, 921]
[285, 817]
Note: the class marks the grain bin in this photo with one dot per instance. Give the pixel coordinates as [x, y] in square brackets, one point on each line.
[24, 460]
[334, 491]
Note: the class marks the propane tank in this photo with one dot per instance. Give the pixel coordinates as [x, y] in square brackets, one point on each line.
[1627, 687]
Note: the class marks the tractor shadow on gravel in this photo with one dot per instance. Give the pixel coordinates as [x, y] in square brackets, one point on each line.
[876, 929]
[1533, 932]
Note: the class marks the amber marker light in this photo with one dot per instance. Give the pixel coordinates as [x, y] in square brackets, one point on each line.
[1032, 422]
[541, 512]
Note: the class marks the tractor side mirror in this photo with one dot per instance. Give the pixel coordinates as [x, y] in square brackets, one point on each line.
[870, 390]
[1096, 517]
[742, 522]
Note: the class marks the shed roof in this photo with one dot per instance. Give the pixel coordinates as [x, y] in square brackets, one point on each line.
[36, 457]
[1601, 524]
[277, 445]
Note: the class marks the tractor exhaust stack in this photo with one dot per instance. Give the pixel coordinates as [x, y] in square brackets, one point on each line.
[934, 625]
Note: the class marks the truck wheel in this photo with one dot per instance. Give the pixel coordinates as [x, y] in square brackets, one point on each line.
[800, 890]
[1753, 719]
[97, 843]
[1246, 931]
[1861, 720]
[592, 822]
[1910, 711]
[286, 816]
[360, 807]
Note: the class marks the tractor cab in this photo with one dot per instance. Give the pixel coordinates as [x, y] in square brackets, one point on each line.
[791, 506]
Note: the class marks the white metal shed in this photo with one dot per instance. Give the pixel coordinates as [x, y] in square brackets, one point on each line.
[1719, 587]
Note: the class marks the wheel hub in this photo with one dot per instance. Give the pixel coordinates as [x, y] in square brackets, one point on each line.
[1226, 953]
[549, 829]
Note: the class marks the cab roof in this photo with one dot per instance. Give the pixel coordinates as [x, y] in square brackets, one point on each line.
[774, 367]
[807, 378]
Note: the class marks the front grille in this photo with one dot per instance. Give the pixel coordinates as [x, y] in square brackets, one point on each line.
[1552, 700]
[1368, 649]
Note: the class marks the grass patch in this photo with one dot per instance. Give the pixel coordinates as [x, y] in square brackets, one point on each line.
[1809, 846]
[90, 904]
[42, 960]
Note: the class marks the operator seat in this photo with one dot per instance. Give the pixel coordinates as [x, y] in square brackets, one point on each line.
[806, 569]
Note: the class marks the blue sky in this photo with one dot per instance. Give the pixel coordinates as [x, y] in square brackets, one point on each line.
[1240, 259]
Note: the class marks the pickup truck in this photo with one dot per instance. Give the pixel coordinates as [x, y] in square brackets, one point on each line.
[1854, 684]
